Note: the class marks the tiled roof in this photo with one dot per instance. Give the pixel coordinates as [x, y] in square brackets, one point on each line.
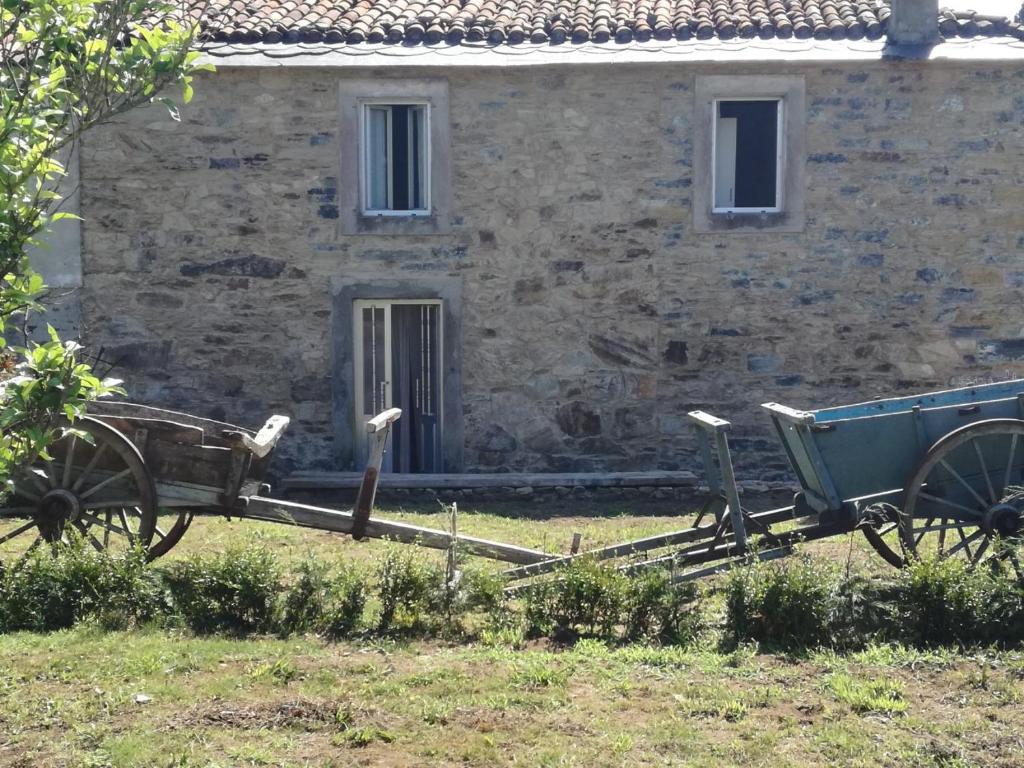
[561, 21]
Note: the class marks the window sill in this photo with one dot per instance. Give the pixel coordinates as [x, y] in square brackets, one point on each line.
[396, 224]
[750, 221]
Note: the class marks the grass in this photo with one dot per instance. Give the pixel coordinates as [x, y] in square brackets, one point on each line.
[90, 697]
[870, 696]
[70, 698]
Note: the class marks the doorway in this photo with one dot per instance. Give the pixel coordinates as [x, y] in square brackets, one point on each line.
[397, 359]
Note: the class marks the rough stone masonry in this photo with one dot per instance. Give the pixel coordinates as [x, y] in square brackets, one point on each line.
[594, 317]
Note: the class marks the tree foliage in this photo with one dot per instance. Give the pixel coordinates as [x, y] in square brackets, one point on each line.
[65, 65]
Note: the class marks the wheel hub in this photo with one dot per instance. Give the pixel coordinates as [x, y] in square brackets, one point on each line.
[1004, 519]
[55, 510]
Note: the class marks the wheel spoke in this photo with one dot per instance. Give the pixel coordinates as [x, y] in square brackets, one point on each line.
[85, 532]
[1009, 462]
[980, 550]
[158, 532]
[965, 543]
[19, 491]
[89, 467]
[1012, 556]
[33, 475]
[17, 531]
[51, 473]
[127, 528]
[964, 483]
[923, 531]
[108, 526]
[942, 536]
[106, 530]
[948, 503]
[9, 512]
[937, 528]
[984, 472]
[103, 484]
[69, 462]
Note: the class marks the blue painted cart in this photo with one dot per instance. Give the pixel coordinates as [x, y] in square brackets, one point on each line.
[946, 467]
[937, 473]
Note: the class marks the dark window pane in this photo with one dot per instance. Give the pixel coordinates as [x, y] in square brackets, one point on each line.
[401, 159]
[757, 128]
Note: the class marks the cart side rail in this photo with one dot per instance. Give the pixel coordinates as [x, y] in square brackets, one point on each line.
[379, 427]
[1000, 390]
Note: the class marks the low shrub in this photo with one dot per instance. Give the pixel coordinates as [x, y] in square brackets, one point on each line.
[234, 592]
[346, 601]
[537, 606]
[788, 604]
[655, 609]
[409, 588]
[304, 604]
[943, 602]
[583, 597]
[54, 589]
[484, 591]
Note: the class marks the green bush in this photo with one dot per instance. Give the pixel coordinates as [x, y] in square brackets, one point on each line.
[789, 604]
[484, 591]
[408, 588]
[235, 591]
[346, 601]
[584, 596]
[54, 589]
[538, 608]
[658, 610]
[866, 612]
[944, 602]
[304, 604]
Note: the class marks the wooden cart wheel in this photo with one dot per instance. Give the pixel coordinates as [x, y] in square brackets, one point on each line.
[163, 541]
[100, 488]
[966, 497]
[882, 532]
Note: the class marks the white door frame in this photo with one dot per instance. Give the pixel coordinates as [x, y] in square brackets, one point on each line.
[358, 305]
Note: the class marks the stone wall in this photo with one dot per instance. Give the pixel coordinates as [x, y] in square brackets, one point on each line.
[594, 317]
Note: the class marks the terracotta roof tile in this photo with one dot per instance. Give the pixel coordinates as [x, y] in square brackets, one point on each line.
[512, 22]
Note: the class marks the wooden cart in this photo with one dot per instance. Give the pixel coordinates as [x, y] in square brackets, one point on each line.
[137, 476]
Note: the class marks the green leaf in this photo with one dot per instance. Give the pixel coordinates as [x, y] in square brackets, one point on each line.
[172, 108]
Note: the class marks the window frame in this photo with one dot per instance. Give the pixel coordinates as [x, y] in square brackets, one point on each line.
[365, 105]
[352, 217]
[789, 215]
[780, 156]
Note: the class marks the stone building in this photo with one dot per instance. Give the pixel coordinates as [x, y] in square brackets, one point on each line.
[549, 229]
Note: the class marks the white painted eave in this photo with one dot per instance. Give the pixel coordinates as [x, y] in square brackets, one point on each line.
[230, 55]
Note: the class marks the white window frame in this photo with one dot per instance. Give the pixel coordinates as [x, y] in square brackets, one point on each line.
[790, 216]
[780, 155]
[364, 146]
[357, 339]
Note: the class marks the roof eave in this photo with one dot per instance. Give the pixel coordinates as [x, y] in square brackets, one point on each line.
[690, 51]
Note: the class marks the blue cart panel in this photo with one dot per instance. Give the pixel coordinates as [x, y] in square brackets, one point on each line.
[871, 449]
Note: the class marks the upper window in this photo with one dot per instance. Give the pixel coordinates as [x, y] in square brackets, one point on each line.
[395, 141]
[748, 154]
[396, 166]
